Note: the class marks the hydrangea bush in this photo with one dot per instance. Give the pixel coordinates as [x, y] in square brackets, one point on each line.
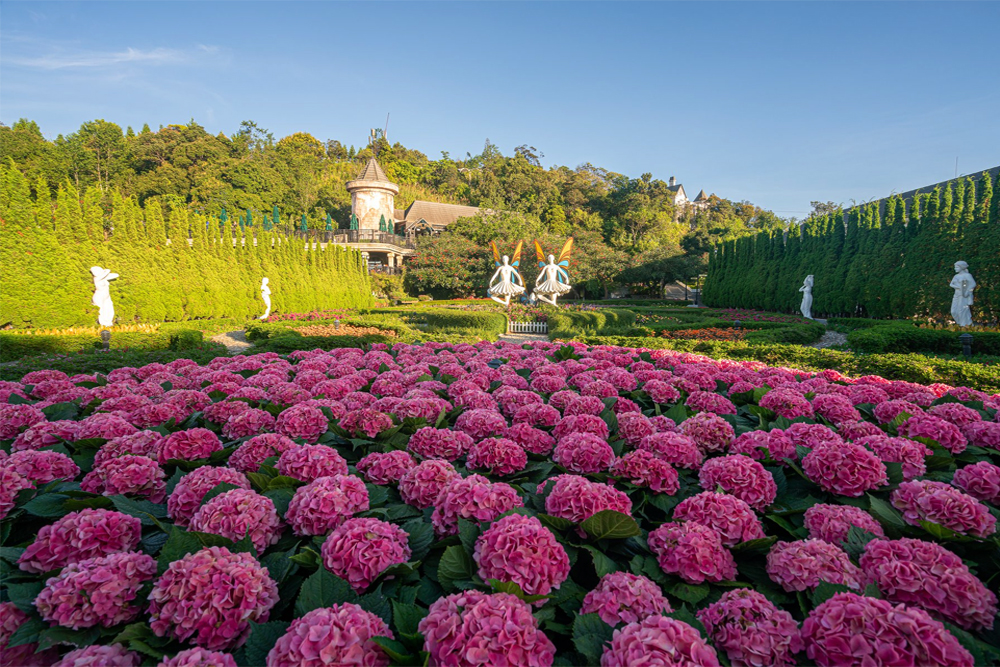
[493, 504]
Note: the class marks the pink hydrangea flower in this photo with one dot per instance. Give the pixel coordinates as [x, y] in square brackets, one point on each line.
[927, 575]
[583, 453]
[475, 628]
[979, 434]
[303, 422]
[633, 427]
[661, 392]
[692, 551]
[187, 495]
[475, 498]
[647, 470]
[939, 503]
[752, 630]
[237, 513]
[621, 597]
[199, 657]
[247, 423]
[831, 523]
[581, 424]
[88, 533]
[848, 625]
[337, 635]
[208, 598]
[812, 435]
[223, 411]
[45, 434]
[854, 430]
[366, 421]
[310, 462]
[935, 429]
[835, 408]
[979, 480]
[731, 517]
[23, 655]
[908, 452]
[533, 440]
[439, 443]
[190, 445]
[888, 411]
[128, 475]
[674, 448]
[537, 414]
[141, 443]
[787, 403]
[956, 413]
[803, 564]
[111, 655]
[519, 549]
[41, 467]
[103, 426]
[323, 504]
[96, 591]
[577, 498]
[846, 469]
[16, 418]
[659, 640]
[497, 456]
[711, 432]
[740, 476]
[421, 485]
[709, 401]
[385, 467]
[359, 550]
[253, 452]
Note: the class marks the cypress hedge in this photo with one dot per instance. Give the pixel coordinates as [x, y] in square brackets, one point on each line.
[174, 265]
[882, 260]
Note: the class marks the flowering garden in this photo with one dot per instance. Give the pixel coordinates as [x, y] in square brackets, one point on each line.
[492, 504]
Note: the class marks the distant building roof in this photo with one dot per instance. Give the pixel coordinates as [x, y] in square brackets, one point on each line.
[701, 196]
[436, 214]
[372, 172]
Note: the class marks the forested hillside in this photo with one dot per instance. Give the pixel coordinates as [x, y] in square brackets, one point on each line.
[891, 261]
[625, 223]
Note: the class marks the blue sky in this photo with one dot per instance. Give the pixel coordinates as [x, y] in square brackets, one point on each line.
[776, 103]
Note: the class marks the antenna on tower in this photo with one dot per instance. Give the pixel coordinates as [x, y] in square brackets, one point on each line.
[372, 142]
[385, 132]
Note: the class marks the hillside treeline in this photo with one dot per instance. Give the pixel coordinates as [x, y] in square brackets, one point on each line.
[891, 261]
[49, 240]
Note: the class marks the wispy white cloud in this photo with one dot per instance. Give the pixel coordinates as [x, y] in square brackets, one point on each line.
[69, 59]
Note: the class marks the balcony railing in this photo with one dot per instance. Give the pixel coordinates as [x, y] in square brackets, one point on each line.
[386, 270]
[352, 236]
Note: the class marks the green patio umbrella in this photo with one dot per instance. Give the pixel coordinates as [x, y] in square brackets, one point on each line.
[249, 218]
[329, 223]
[223, 219]
[354, 221]
[276, 219]
[305, 225]
[381, 224]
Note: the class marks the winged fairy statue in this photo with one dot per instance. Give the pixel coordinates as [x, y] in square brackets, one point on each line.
[553, 279]
[506, 281]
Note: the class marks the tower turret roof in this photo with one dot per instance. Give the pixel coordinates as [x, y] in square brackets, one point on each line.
[372, 172]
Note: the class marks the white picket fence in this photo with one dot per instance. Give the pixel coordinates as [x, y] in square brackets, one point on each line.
[528, 327]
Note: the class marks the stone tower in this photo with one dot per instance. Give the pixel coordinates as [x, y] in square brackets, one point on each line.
[372, 196]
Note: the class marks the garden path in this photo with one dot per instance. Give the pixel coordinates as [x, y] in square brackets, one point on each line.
[235, 341]
[829, 339]
[517, 339]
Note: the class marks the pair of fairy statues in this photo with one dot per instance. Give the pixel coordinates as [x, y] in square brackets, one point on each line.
[551, 283]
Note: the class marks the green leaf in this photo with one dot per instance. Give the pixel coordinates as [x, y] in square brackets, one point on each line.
[693, 593]
[278, 565]
[281, 498]
[943, 532]
[686, 616]
[59, 635]
[758, 546]
[323, 589]
[421, 537]
[23, 595]
[825, 591]
[216, 490]
[555, 522]
[677, 413]
[590, 634]
[263, 637]
[284, 482]
[455, 565]
[60, 411]
[27, 632]
[894, 471]
[396, 651]
[856, 541]
[182, 542]
[468, 533]
[143, 510]
[886, 513]
[47, 505]
[406, 617]
[514, 589]
[610, 525]
[602, 564]
[377, 495]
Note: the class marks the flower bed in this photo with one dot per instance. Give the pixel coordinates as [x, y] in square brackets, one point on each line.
[494, 504]
[709, 333]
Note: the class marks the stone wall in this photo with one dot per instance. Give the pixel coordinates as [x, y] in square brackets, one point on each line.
[370, 204]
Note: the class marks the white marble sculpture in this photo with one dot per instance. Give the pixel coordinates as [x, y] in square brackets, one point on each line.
[553, 280]
[506, 280]
[961, 304]
[265, 293]
[102, 295]
[807, 298]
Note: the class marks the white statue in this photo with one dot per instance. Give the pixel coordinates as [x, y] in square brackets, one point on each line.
[265, 293]
[102, 295]
[553, 280]
[507, 278]
[807, 298]
[961, 304]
